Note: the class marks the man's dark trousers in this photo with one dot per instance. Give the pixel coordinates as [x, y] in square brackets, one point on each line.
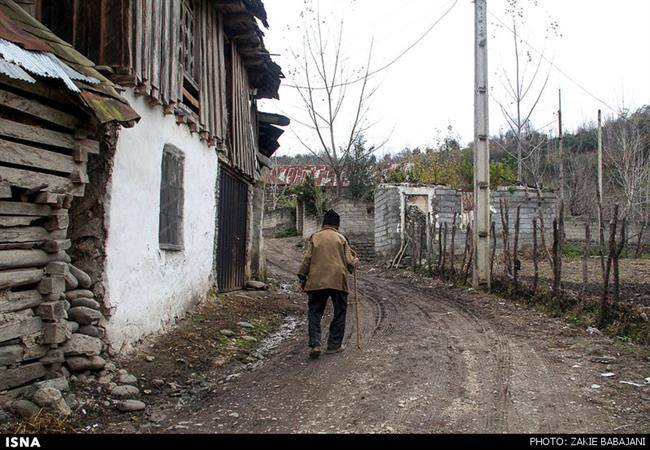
[317, 303]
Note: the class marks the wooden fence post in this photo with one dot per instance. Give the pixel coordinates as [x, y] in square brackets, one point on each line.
[607, 268]
[535, 262]
[585, 258]
[515, 260]
[493, 230]
[452, 256]
[617, 256]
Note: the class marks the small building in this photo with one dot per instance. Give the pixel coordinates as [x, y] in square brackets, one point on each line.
[177, 202]
[54, 108]
[439, 204]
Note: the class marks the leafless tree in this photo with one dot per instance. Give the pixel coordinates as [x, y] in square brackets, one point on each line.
[331, 88]
[524, 86]
[628, 164]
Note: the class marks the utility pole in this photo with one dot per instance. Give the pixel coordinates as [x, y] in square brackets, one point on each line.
[481, 241]
[561, 145]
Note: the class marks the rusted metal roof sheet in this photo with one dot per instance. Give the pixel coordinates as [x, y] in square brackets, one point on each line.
[28, 48]
[291, 175]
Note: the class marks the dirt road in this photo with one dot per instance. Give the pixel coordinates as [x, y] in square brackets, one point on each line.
[434, 359]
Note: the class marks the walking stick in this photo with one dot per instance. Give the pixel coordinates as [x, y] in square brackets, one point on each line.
[356, 307]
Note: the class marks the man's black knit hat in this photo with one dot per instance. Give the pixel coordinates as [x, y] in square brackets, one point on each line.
[332, 218]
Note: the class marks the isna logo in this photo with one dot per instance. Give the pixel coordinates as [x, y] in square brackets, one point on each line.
[22, 442]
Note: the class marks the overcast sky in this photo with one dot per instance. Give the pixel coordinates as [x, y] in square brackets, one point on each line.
[603, 46]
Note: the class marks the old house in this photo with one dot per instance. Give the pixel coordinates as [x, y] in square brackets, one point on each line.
[178, 201]
[54, 107]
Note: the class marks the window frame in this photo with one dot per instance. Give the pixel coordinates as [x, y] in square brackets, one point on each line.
[177, 154]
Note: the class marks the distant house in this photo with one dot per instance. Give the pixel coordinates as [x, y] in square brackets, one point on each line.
[292, 175]
[177, 202]
[54, 106]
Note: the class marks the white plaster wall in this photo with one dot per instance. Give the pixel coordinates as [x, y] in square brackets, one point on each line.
[149, 288]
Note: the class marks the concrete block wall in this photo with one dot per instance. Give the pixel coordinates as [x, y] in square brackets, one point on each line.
[279, 221]
[444, 201]
[388, 221]
[357, 224]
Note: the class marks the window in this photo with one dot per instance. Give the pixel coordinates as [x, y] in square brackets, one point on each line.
[171, 199]
[189, 56]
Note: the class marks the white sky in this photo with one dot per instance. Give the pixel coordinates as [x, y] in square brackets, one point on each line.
[604, 46]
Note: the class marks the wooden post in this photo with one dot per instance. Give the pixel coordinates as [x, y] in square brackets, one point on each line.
[493, 231]
[505, 224]
[585, 258]
[444, 249]
[556, 239]
[481, 238]
[535, 262]
[617, 256]
[466, 250]
[607, 268]
[515, 260]
[439, 265]
[471, 255]
[452, 256]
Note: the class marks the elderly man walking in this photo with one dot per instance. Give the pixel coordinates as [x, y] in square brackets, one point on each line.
[324, 275]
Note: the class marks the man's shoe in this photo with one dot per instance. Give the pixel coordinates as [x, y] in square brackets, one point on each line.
[314, 352]
[331, 350]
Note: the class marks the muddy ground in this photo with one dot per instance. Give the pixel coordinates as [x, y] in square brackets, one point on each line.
[433, 359]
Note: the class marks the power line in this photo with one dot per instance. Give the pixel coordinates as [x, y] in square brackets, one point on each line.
[389, 64]
[555, 66]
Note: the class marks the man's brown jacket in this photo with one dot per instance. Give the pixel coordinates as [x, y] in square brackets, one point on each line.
[327, 261]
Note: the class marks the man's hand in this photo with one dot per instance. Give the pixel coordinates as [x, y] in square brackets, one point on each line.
[356, 263]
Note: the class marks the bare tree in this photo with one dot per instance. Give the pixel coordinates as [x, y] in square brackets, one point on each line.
[330, 88]
[628, 163]
[523, 89]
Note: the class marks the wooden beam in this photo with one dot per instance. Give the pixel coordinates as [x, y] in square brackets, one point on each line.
[28, 179]
[20, 277]
[23, 234]
[36, 109]
[17, 301]
[29, 209]
[16, 221]
[16, 259]
[35, 157]
[22, 375]
[20, 328]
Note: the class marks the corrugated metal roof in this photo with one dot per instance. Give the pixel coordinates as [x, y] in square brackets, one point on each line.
[13, 71]
[43, 64]
[291, 175]
[28, 47]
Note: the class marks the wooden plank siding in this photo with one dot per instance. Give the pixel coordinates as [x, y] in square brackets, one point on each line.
[141, 41]
[243, 143]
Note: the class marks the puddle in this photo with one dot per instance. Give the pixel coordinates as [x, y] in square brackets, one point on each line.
[273, 340]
